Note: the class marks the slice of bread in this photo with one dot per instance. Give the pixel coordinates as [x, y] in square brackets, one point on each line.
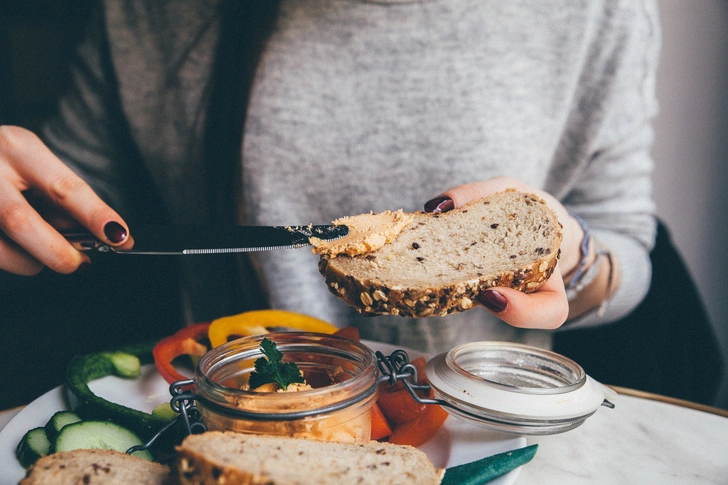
[218, 457]
[439, 263]
[105, 467]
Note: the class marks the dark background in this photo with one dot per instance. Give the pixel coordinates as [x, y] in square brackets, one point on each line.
[46, 319]
[37, 41]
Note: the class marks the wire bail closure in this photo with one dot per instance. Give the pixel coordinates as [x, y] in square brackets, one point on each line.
[188, 417]
[397, 368]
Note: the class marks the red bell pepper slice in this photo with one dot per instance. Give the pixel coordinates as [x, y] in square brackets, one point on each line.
[186, 341]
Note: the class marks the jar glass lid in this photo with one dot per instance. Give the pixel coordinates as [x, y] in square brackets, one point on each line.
[515, 388]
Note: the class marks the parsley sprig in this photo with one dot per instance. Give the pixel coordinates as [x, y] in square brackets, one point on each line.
[272, 369]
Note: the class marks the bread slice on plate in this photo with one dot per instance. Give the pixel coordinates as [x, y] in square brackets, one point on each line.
[102, 467]
[439, 263]
[218, 458]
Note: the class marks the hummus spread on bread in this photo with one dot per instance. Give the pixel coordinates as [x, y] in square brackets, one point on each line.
[367, 233]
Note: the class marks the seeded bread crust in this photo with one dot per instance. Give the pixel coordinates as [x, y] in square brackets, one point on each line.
[435, 266]
[101, 467]
[217, 458]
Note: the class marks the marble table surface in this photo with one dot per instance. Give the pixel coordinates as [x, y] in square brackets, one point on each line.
[645, 439]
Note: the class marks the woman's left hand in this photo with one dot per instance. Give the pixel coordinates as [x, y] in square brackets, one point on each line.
[548, 307]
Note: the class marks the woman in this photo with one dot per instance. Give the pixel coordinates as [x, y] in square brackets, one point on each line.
[345, 107]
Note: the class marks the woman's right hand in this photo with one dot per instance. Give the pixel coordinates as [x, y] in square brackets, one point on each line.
[39, 194]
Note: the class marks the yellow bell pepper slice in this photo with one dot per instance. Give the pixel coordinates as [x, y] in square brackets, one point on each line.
[255, 323]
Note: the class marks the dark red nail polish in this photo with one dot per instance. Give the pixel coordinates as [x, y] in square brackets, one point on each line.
[439, 204]
[493, 300]
[115, 232]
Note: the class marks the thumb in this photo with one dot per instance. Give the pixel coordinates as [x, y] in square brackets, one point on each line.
[546, 308]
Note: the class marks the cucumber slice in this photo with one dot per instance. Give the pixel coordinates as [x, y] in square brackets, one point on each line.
[126, 365]
[164, 411]
[103, 435]
[58, 421]
[33, 445]
[89, 406]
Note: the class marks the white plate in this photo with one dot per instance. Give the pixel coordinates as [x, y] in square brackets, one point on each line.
[456, 443]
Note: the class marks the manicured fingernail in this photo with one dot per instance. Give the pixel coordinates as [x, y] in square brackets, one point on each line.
[439, 204]
[115, 232]
[493, 300]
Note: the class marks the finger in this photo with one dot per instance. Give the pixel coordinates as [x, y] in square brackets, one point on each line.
[127, 244]
[56, 216]
[67, 190]
[463, 194]
[38, 168]
[546, 308]
[14, 260]
[28, 230]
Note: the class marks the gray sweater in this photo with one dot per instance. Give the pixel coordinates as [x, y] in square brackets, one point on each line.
[374, 105]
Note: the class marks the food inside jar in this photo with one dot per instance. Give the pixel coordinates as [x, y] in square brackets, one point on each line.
[275, 387]
[312, 379]
[349, 425]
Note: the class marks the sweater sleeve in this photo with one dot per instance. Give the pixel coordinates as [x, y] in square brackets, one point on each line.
[131, 121]
[88, 132]
[613, 190]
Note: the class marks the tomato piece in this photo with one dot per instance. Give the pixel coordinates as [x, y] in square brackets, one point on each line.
[396, 402]
[398, 405]
[420, 430]
[414, 423]
[380, 426]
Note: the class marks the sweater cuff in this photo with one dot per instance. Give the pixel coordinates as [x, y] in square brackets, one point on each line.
[636, 269]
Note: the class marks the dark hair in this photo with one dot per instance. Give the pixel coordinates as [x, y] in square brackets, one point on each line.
[245, 26]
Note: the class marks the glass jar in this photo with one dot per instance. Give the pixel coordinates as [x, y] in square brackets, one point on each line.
[343, 374]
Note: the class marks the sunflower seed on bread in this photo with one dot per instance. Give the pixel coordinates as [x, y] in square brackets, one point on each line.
[216, 458]
[102, 467]
[439, 263]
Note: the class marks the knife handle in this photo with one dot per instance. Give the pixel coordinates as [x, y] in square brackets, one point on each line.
[83, 240]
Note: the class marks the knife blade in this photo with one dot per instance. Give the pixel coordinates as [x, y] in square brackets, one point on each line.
[209, 239]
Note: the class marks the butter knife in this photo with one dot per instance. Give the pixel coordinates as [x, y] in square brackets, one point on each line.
[209, 239]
